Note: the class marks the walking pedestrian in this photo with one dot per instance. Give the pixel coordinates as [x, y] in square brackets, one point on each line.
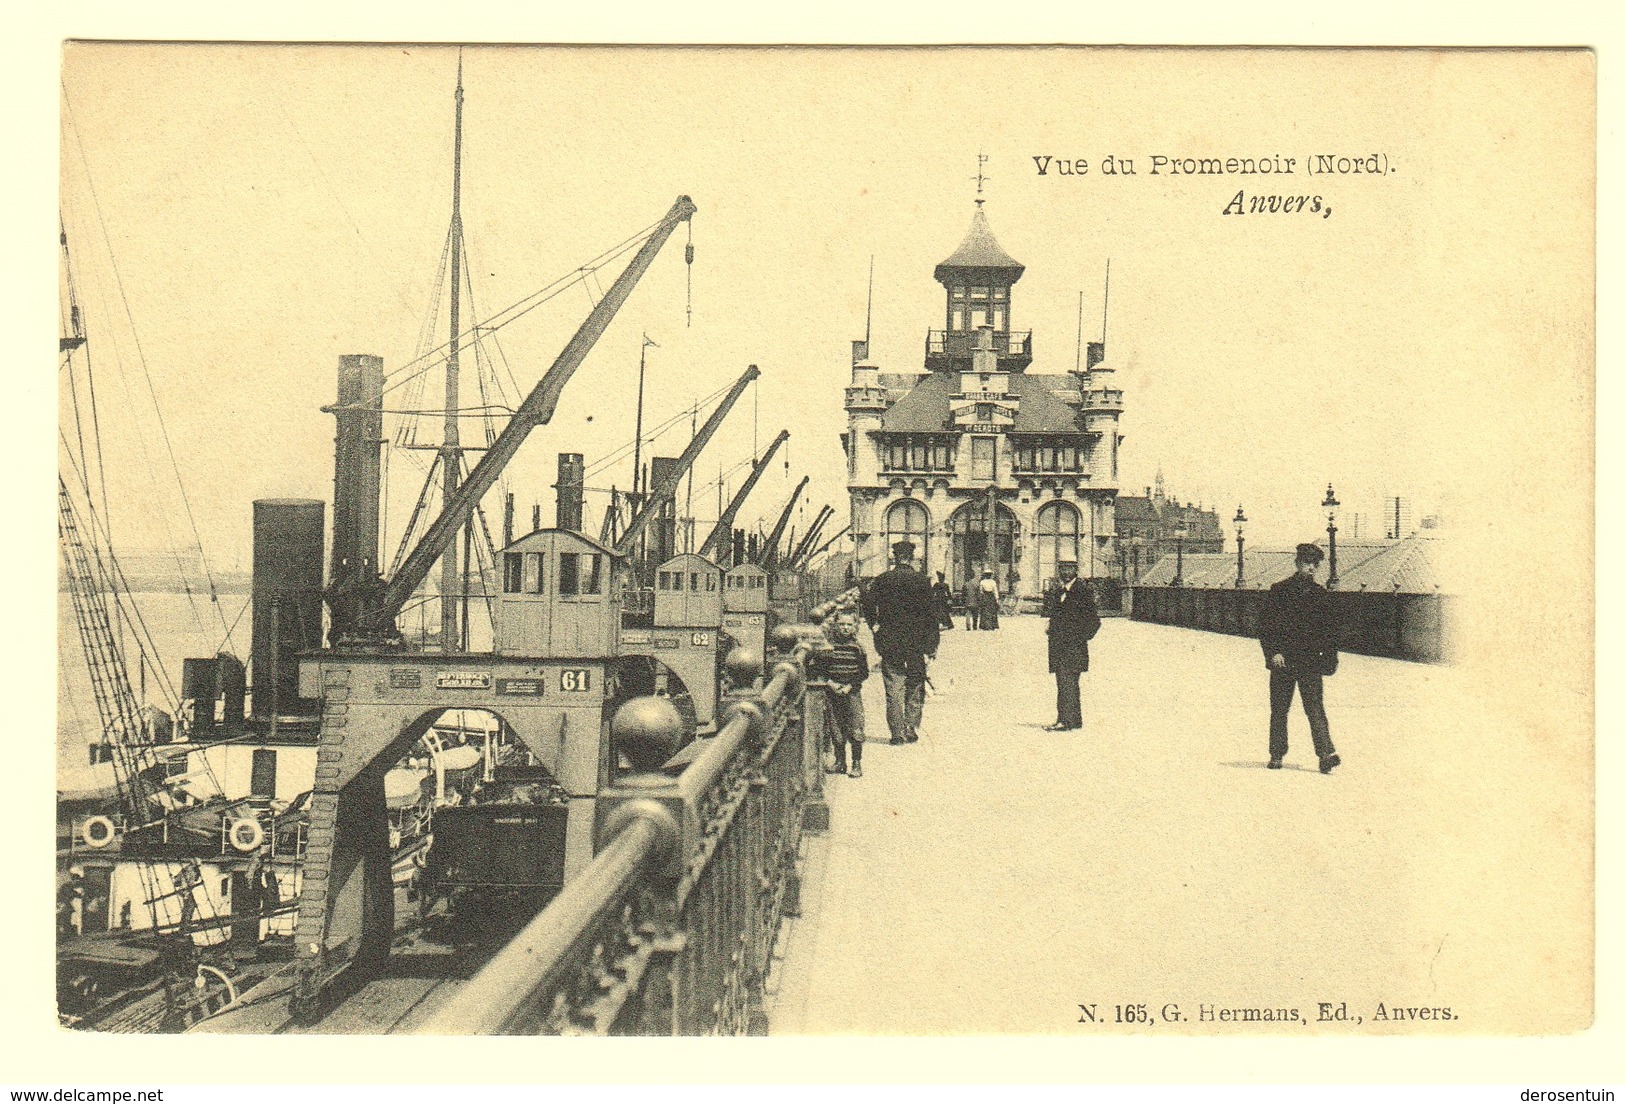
[1073, 622]
[844, 667]
[901, 612]
[944, 599]
[987, 601]
[1300, 649]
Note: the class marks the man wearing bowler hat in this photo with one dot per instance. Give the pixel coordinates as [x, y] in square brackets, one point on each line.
[902, 613]
[1073, 622]
[1300, 648]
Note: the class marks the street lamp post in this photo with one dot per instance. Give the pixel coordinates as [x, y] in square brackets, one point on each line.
[1331, 504]
[1179, 563]
[1239, 521]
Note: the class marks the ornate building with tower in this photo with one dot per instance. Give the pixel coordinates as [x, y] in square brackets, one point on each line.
[1158, 525]
[977, 460]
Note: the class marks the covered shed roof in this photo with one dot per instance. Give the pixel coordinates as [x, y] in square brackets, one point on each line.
[1405, 567]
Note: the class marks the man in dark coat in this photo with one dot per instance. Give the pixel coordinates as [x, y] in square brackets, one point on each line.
[902, 613]
[1073, 622]
[1300, 648]
[944, 599]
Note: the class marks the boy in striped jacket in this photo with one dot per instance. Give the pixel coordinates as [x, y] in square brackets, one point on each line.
[844, 667]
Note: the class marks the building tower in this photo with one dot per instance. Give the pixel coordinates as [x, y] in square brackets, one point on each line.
[978, 278]
[982, 464]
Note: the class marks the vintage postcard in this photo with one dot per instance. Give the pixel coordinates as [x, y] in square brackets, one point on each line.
[1057, 542]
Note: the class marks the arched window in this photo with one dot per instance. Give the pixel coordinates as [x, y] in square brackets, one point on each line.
[1057, 531]
[981, 537]
[908, 520]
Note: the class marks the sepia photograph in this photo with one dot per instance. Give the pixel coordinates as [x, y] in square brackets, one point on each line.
[1073, 542]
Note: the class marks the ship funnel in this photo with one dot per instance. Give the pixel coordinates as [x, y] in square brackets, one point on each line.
[354, 574]
[287, 602]
[570, 487]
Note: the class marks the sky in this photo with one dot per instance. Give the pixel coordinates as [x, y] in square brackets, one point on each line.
[241, 216]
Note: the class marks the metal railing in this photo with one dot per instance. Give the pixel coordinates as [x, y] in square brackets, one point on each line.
[1414, 627]
[670, 929]
[956, 343]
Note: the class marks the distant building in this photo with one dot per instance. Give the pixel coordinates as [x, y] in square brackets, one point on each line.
[161, 571]
[1147, 530]
[981, 463]
[160, 563]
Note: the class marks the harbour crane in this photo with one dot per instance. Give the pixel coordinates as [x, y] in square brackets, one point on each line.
[796, 558]
[769, 550]
[376, 615]
[724, 526]
[666, 488]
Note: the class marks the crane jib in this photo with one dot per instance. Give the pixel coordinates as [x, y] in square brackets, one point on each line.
[724, 525]
[536, 410]
[771, 544]
[668, 485]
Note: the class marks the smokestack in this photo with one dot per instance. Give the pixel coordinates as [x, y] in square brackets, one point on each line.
[570, 487]
[233, 685]
[507, 519]
[359, 411]
[288, 579]
[983, 358]
[661, 468]
[200, 684]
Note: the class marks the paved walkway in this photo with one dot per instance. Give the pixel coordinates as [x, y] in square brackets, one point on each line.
[993, 877]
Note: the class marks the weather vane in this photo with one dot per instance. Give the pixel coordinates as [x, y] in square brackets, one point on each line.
[981, 178]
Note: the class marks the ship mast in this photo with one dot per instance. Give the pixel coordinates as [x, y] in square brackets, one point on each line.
[451, 450]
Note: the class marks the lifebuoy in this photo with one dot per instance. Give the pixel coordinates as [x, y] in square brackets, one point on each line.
[98, 832]
[246, 835]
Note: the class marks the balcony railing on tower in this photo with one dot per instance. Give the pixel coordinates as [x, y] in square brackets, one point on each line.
[953, 348]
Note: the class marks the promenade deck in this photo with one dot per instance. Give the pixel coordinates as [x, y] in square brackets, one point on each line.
[994, 877]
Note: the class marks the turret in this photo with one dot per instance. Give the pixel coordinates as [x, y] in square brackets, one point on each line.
[978, 278]
[1102, 406]
[865, 403]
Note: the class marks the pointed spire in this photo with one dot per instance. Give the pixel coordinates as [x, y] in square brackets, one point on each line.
[980, 257]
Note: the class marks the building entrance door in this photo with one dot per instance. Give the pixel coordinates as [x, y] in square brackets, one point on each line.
[981, 537]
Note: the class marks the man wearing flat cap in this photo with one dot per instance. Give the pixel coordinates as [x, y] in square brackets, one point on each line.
[902, 613]
[1073, 622]
[1299, 640]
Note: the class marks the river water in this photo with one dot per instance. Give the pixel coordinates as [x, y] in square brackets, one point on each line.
[180, 627]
